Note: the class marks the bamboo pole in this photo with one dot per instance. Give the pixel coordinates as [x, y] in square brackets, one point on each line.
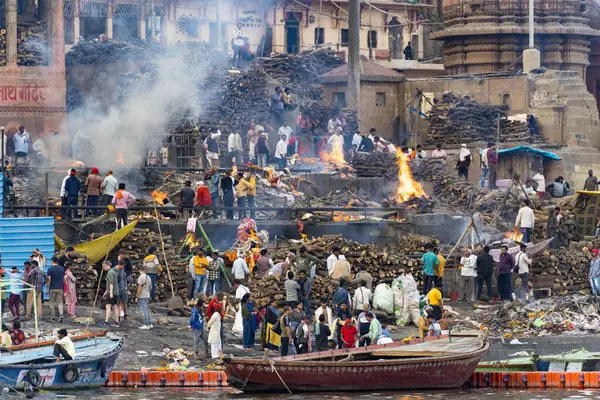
[162, 243]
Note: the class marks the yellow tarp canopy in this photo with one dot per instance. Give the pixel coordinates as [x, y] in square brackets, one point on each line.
[97, 249]
[587, 192]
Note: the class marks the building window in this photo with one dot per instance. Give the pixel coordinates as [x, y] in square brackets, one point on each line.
[344, 37]
[339, 98]
[319, 36]
[380, 99]
[372, 39]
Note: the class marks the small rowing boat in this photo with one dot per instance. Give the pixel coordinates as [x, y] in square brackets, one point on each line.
[95, 357]
[443, 362]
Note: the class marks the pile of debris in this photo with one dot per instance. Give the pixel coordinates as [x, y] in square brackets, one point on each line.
[455, 120]
[557, 315]
[374, 164]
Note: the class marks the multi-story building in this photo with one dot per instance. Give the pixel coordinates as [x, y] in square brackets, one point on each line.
[280, 26]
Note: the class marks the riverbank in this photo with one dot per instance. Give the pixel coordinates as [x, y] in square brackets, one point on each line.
[148, 349]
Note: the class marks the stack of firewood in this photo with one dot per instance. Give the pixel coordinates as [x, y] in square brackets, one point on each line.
[32, 43]
[564, 270]
[374, 164]
[455, 120]
[136, 245]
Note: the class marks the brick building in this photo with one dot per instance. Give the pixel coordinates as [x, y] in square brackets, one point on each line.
[380, 95]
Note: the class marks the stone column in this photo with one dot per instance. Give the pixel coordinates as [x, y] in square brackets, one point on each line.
[142, 23]
[109, 19]
[56, 37]
[76, 21]
[10, 7]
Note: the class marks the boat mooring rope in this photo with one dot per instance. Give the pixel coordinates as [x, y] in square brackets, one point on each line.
[280, 378]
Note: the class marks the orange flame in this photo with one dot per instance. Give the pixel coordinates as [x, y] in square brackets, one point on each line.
[336, 156]
[515, 235]
[120, 159]
[407, 187]
[158, 196]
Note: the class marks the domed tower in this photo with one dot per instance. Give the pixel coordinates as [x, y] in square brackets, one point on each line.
[490, 35]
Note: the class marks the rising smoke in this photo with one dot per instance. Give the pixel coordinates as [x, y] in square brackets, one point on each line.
[120, 137]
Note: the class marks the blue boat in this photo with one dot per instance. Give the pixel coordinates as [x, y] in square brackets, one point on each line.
[94, 360]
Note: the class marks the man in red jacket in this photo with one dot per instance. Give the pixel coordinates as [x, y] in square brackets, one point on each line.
[203, 198]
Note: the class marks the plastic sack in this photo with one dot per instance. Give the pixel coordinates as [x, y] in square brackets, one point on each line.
[383, 298]
[398, 299]
[191, 225]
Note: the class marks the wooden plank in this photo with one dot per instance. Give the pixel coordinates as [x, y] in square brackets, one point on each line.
[393, 353]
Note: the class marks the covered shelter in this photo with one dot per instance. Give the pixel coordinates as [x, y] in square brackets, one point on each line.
[524, 161]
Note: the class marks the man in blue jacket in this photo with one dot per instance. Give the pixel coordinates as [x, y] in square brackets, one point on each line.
[197, 325]
[72, 188]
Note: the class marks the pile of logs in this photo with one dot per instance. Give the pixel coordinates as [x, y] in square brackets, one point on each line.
[2, 47]
[136, 245]
[374, 164]
[456, 120]
[87, 277]
[111, 51]
[300, 72]
[321, 112]
[448, 187]
[32, 43]
[383, 263]
[564, 270]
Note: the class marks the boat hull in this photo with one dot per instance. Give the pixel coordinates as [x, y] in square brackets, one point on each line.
[311, 376]
[91, 372]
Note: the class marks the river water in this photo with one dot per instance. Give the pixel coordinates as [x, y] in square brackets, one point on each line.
[185, 394]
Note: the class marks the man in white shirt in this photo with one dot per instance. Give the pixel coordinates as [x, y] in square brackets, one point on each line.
[540, 182]
[211, 145]
[286, 130]
[281, 152]
[356, 139]
[362, 297]
[234, 148]
[332, 259]
[483, 164]
[239, 270]
[64, 346]
[525, 221]
[523, 262]
[468, 273]
[372, 132]
[164, 155]
[109, 188]
[336, 141]
[439, 153]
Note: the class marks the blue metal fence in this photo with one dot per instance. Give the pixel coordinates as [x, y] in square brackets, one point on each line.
[19, 236]
[1, 194]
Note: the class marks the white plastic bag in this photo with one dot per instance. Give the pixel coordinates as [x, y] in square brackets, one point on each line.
[384, 298]
[398, 290]
[191, 225]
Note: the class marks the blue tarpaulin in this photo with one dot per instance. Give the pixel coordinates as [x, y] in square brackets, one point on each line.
[530, 150]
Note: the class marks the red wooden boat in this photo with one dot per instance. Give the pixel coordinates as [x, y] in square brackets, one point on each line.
[435, 363]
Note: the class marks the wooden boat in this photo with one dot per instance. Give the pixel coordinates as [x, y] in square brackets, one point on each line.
[31, 344]
[36, 366]
[444, 362]
[574, 361]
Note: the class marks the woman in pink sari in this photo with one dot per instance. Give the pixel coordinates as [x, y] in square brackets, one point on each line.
[70, 291]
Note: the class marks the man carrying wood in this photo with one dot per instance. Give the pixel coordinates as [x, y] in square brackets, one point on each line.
[525, 221]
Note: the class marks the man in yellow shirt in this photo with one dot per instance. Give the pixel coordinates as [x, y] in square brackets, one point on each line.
[200, 264]
[241, 188]
[434, 297]
[438, 271]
